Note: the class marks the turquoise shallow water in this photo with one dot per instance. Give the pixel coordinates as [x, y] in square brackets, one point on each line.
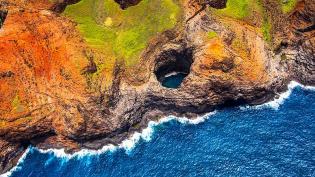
[233, 142]
[174, 81]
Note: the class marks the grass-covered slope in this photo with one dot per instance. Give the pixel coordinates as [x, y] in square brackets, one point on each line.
[251, 11]
[254, 12]
[241, 8]
[122, 34]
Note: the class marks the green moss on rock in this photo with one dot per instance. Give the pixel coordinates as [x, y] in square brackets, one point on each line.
[16, 104]
[266, 30]
[288, 5]
[212, 34]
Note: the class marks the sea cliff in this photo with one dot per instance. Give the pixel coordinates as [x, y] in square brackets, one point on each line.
[81, 74]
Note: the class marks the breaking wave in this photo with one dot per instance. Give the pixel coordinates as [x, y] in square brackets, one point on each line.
[17, 167]
[279, 100]
[128, 144]
[146, 134]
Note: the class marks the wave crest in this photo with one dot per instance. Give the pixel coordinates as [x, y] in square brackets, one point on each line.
[277, 102]
[128, 144]
[17, 167]
[146, 134]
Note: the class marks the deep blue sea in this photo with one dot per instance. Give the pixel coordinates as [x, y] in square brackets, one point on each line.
[232, 142]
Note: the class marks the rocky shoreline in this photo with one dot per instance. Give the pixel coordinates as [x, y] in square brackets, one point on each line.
[220, 74]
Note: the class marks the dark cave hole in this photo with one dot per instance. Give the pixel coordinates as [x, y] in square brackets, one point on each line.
[60, 7]
[172, 67]
[124, 4]
[3, 15]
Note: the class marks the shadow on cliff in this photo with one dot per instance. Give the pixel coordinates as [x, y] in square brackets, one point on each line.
[3, 16]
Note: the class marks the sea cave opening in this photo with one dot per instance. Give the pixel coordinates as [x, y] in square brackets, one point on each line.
[172, 67]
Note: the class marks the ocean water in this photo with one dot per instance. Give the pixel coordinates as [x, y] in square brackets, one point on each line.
[269, 140]
[174, 81]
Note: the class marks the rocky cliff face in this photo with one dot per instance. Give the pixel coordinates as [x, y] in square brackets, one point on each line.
[57, 90]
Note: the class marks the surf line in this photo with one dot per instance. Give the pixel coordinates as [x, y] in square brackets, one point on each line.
[128, 145]
[146, 134]
[277, 102]
[16, 167]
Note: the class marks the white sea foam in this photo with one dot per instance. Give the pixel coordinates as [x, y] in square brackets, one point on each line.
[128, 144]
[277, 102]
[312, 88]
[146, 134]
[17, 167]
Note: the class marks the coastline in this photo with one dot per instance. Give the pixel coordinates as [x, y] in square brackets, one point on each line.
[76, 112]
[146, 133]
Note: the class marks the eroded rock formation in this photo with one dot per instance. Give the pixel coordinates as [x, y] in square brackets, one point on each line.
[49, 97]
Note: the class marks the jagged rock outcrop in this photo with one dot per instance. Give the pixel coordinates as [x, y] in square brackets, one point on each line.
[301, 42]
[49, 98]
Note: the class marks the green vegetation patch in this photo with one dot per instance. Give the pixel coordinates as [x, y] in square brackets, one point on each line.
[212, 34]
[16, 104]
[240, 9]
[288, 5]
[248, 10]
[122, 33]
[266, 29]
